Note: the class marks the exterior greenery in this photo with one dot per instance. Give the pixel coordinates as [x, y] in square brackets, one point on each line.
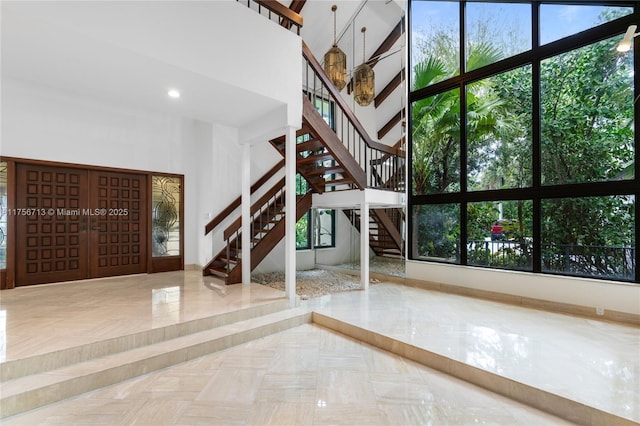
[545, 139]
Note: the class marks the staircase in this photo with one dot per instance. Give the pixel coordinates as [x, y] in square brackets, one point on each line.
[321, 158]
[385, 225]
[333, 153]
[267, 230]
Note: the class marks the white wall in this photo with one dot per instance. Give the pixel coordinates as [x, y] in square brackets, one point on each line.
[347, 249]
[45, 124]
[614, 296]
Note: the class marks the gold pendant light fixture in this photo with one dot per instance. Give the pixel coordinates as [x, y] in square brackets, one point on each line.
[335, 61]
[365, 86]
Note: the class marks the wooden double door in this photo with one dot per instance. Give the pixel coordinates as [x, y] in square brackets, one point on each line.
[74, 223]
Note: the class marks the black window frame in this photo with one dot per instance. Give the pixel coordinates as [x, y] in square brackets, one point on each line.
[536, 192]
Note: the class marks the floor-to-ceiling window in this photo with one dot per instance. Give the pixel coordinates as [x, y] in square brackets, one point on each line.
[522, 144]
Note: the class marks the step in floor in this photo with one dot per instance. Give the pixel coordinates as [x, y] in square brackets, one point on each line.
[36, 390]
[307, 375]
[579, 369]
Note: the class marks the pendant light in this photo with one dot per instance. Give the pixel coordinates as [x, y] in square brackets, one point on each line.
[365, 85]
[335, 61]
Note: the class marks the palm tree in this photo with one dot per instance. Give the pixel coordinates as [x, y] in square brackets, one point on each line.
[436, 132]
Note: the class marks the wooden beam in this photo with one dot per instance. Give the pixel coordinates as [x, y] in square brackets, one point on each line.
[296, 6]
[387, 44]
[390, 124]
[282, 10]
[389, 88]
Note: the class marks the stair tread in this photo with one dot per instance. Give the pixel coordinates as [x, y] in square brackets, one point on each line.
[315, 158]
[310, 145]
[336, 182]
[322, 171]
[218, 272]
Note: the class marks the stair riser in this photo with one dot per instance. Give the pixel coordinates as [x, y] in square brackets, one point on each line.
[557, 405]
[40, 363]
[57, 392]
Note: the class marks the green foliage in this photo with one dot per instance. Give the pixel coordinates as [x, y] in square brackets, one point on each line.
[302, 232]
[480, 217]
[438, 231]
[587, 135]
[587, 115]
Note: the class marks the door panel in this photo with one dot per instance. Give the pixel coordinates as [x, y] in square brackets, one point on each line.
[75, 224]
[118, 223]
[51, 243]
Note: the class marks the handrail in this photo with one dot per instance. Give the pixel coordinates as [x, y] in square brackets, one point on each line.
[287, 16]
[343, 104]
[236, 224]
[380, 163]
[282, 10]
[236, 203]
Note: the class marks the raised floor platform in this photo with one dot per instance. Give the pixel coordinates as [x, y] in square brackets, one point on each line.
[110, 349]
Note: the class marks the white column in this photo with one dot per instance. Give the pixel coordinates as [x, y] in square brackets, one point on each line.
[290, 220]
[246, 214]
[364, 245]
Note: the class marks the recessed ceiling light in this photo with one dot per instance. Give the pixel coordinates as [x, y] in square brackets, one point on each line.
[173, 94]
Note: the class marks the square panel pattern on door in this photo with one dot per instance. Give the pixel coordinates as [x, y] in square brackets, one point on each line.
[118, 222]
[49, 213]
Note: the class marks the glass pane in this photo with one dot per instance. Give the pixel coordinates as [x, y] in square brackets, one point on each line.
[499, 234]
[301, 185]
[302, 232]
[559, 21]
[499, 131]
[436, 232]
[435, 42]
[436, 143]
[593, 237]
[3, 214]
[325, 109]
[495, 31]
[323, 228]
[165, 216]
[587, 115]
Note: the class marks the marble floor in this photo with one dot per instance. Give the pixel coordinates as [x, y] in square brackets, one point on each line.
[304, 376]
[312, 375]
[46, 318]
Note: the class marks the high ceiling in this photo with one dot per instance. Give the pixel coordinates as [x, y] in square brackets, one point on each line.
[44, 46]
[380, 17]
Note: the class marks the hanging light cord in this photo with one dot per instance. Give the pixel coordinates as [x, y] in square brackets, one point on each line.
[364, 37]
[333, 8]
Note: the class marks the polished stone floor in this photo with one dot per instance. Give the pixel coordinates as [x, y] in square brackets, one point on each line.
[304, 376]
[311, 375]
[592, 362]
[45, 318]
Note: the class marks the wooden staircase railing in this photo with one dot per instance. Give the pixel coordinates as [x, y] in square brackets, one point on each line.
[343, 156]
[277, 12]
[379, 162]
[267, 229]
[236, 203]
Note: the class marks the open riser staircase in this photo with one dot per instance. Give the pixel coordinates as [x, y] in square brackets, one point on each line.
[385, 237]
[333, 153]
[267, 230]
